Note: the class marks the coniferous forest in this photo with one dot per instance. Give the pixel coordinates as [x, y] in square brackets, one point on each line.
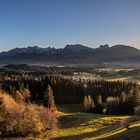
[95, 96]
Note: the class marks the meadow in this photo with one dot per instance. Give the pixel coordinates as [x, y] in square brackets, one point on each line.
[76, 125]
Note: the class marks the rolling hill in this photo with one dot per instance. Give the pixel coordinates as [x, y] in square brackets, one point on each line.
[76, 125]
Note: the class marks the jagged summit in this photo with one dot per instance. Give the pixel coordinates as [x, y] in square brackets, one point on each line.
[106, 46]
[76, 53]
[76, 47]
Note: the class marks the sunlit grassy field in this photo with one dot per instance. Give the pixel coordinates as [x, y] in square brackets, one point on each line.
[121, 79]
[126, 79]
[88, 126]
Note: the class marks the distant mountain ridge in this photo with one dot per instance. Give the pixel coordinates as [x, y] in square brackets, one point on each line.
[70, 54]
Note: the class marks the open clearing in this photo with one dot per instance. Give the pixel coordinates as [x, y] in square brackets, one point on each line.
[88, 126]
[126, 79]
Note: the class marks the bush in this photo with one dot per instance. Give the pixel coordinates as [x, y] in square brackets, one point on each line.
[23, 119]
[137, 110]
[98, 109]
[125, 123]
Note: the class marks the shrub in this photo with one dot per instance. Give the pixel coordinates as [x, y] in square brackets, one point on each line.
[23, 119]
[18, 97]
[137, 110]
[125, 123]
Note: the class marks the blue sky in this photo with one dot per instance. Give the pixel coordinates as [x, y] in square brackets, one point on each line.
[59, 22]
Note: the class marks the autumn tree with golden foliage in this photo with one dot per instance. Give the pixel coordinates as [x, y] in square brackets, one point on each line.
[49, 98]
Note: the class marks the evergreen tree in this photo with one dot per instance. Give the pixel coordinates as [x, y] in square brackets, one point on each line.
[21, 89]
[85, 104]
[49, 98]
[13, 92]
[27, 94]
[2, 106]
[99, 105]
[99, 99]
[92, 104]
[89, 101]
[136, 94]
[88, 104]
[0, 86]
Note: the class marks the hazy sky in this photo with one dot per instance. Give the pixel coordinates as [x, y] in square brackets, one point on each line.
[59, 22]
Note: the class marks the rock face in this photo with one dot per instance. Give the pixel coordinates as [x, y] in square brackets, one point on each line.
[104, 47]
[70, 54]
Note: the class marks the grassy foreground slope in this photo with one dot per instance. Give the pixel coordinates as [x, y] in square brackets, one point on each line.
[88, 126]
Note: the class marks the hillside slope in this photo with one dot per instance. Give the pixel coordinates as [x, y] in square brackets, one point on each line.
[88, 126]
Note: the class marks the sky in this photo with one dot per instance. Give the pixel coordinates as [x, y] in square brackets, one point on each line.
[56, 23]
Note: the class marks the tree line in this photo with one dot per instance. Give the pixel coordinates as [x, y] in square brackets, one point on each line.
[110, 97]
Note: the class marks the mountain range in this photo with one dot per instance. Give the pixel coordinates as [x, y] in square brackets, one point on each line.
[71, 54]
